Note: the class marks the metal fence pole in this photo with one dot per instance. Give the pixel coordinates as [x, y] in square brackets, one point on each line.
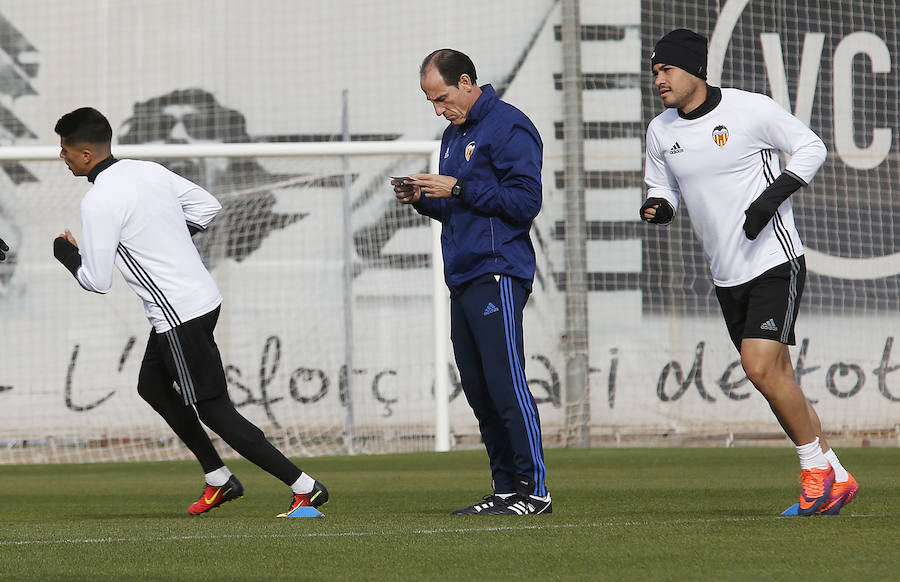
[578, 417]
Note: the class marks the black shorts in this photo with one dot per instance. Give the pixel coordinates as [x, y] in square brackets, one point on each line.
[765, 307]
[189, 356]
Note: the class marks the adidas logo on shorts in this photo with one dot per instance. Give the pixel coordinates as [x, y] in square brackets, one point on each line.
[769, 325]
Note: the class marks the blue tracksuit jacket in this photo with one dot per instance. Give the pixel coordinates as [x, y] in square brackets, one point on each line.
[496, 155]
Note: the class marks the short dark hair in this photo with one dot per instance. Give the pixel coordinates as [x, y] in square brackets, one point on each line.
[451, 64]
[84, 125]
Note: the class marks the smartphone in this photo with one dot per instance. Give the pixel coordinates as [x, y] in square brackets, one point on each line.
[402, 178]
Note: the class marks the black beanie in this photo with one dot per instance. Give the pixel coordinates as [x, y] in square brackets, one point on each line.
[684, 49]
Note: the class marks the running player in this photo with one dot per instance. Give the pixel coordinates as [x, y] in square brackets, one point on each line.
[717, 150]
[139, 217]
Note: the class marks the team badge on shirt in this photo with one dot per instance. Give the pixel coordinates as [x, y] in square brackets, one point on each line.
[720, 135]
[470, 149]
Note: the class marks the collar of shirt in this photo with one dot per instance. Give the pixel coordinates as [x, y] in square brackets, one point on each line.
[713, 98]
[482, 106]
[102, 165]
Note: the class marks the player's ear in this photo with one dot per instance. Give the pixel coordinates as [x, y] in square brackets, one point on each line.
[465, 82]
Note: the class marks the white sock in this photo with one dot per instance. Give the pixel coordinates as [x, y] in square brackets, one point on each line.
[218, 477]
[504, 495]
[840, 473]
[303, 484]
[811, 456]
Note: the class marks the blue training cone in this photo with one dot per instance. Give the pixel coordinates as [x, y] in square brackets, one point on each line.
[792, 510]
[305, 511]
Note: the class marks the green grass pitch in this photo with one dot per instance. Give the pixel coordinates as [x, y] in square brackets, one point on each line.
[619, 514]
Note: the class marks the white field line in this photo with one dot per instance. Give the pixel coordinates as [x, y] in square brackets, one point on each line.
[465, 530]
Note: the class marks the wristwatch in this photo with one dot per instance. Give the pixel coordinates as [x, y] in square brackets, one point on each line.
[456, 191]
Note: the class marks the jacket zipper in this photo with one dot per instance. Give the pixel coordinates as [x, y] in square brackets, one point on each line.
[493, 246]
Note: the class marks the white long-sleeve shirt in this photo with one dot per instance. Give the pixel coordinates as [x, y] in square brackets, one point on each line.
[134, 217]
[718, 164]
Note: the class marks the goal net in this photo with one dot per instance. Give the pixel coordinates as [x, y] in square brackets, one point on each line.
[326, 329]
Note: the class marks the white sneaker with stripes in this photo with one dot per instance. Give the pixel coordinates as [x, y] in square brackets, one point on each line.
[519, 504]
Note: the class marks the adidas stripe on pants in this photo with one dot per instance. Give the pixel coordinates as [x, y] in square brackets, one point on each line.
[486, 331]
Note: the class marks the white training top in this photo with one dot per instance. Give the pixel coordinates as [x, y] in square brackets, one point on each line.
[719, 163]
[135, 216]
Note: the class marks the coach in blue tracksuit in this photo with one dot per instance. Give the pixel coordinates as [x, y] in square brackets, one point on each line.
[486, 197]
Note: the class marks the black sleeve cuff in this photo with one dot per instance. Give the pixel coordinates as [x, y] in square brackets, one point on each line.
[795, 177]
[67, 254]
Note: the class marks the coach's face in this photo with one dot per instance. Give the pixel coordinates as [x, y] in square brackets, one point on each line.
[678, 88]
[451, 101]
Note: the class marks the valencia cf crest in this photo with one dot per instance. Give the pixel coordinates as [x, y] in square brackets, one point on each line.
[720, 135]
[470, 149]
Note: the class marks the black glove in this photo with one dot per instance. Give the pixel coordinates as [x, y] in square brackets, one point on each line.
[67, 254]
[664, 214]
[761, 210]
[3, 248]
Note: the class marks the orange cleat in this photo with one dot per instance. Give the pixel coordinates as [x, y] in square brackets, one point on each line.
[213, 497]
[841, 495]
[815, 490]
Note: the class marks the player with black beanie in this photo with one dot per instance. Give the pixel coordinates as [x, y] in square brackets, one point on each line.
[716, 150]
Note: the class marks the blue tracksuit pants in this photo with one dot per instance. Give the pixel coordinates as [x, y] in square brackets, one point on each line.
[486, 331]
